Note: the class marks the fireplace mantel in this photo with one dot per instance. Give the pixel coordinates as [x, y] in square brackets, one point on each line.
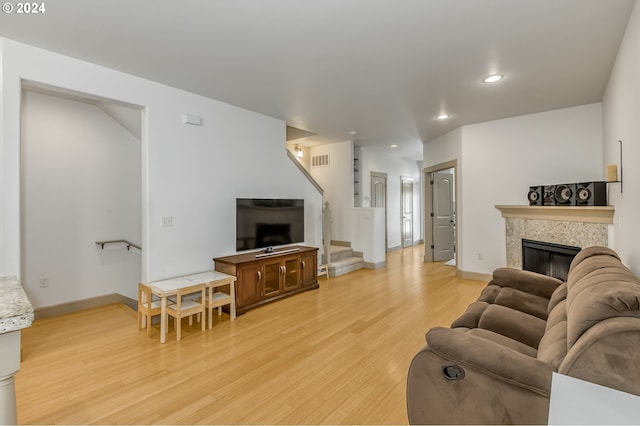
[587, 214]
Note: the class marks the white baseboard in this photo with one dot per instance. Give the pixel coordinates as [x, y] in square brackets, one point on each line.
[79, 305]
[474, 275]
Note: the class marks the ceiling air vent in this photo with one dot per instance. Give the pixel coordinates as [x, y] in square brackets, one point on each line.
[321, 160]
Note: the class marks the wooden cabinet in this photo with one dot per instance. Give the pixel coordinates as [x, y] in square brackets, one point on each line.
[309, 267]
[265, 277]
[291, 276]
[248, 284]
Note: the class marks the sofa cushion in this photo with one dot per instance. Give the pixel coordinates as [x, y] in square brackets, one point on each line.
[558, 314]
[598, 297]
[524, 302]
[514, 324]
[515, 299]
[471, 315]
[489, 293]
[558, 295]
[590, 252]
[504, 341]
[607, 354]
[527, 281]
[599, 287]
[553, 345]
[596, 265]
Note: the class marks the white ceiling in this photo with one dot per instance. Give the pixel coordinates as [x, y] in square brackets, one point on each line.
[383, 68]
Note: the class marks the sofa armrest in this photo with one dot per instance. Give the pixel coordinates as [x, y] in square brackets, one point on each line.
[527, 281]
[495, 360]
[497, 384]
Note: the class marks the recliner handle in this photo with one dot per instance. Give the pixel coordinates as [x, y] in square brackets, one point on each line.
[453, 372]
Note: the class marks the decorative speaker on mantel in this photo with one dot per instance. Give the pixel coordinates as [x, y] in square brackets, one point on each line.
[565, 194]
[591, 194]
[569, 194]
[535, 195]
[549, 195]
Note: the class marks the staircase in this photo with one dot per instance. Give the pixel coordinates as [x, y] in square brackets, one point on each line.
[344, 260]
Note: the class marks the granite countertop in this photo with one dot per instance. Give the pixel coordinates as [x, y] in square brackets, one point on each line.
[16, 311]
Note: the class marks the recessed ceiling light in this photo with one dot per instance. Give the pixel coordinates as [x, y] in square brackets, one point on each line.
[442, 116]
[493, 78]
[353, 132]
[394, 146]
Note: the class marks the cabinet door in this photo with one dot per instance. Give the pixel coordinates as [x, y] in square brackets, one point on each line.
[271, 283]
[248, 285]
[309, 268]
[292, 273]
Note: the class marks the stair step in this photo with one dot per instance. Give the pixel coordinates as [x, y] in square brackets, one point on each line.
[344, 266]
[340, 253]
[339, 249]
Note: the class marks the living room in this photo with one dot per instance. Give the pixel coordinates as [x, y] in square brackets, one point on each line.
[194, 173]
[221, 146]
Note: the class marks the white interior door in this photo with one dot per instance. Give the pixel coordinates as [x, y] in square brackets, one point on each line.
[379, 197]
[407, 212]
[443, 216]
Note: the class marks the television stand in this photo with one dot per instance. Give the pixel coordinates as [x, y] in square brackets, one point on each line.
[265, 277]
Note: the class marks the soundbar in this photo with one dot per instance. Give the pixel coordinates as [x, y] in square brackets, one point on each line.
[274, 253]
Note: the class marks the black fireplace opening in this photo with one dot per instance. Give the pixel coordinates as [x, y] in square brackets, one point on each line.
[548, 258]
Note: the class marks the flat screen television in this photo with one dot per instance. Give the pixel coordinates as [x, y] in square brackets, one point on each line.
[268, 222]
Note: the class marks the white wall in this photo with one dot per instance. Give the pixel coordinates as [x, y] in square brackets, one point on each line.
[502, 158]
[336, 180]
[81, 184]
[442, 149]
[373, 160]
[621, 121]
[368, 230]
[192, 173]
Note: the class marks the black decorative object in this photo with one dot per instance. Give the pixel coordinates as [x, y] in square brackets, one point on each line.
[569, 194]
[535, 195]
[591, 194]
[565, 194]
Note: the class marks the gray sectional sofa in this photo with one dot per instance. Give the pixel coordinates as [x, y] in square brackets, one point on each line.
[494, 364]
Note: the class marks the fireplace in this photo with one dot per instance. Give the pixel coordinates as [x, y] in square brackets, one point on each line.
[573, 226]
[547, 258]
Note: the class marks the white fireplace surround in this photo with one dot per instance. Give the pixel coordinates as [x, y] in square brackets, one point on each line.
[569, 225]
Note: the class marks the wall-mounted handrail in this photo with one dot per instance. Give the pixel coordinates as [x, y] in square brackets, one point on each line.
[305, 172]
[128, 243]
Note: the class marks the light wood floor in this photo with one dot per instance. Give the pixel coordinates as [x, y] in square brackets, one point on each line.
[336, 355]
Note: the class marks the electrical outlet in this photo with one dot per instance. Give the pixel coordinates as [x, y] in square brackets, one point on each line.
[44, 282]
[480, 256]
[167, 221]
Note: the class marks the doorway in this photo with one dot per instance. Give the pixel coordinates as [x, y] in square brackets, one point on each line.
[407, 211]
[379, 197]
[441, 219]
[81, 171]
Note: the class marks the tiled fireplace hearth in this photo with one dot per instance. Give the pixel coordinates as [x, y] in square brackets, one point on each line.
[572, 226]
